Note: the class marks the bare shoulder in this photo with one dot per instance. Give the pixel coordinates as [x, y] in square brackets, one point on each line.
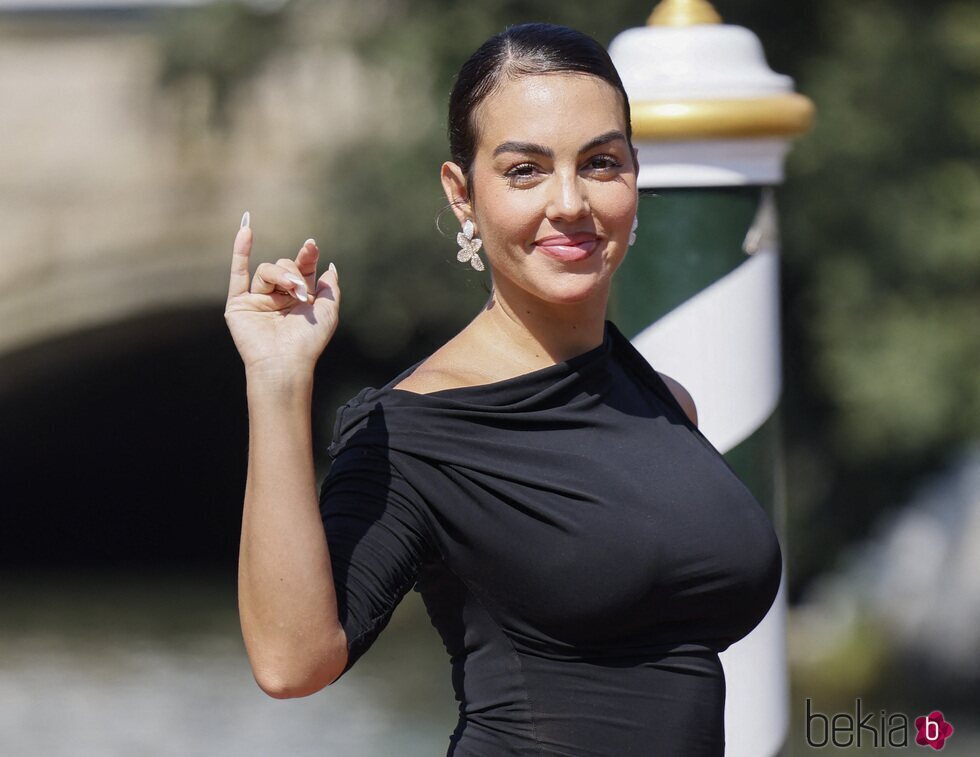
[443, 369]
[433, 378]
[682, 396]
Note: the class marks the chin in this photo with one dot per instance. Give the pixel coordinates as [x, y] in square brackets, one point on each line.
[577, 289]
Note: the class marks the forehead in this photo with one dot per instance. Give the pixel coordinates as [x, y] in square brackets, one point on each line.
[555, 109]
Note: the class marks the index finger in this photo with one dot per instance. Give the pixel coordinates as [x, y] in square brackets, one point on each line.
[238, 284]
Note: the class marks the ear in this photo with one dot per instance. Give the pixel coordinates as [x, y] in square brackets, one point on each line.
[454, 185]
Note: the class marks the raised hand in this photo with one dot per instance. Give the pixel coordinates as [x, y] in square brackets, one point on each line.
[283, 321]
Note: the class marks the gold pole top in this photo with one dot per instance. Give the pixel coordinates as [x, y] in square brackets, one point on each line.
[683, 13]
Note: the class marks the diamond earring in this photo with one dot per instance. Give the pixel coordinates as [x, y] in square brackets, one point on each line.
[468, 246]
[636, 222]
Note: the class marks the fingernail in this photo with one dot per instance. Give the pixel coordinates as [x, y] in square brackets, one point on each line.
[310, 241]
[300, 291]
[245, 220]
[332, 267]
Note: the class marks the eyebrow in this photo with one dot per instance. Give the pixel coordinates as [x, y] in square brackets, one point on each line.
[530, 147]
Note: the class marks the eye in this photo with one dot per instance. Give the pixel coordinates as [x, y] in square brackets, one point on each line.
[520, 173]
[603, 162]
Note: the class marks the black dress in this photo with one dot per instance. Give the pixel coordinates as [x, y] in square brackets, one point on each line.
[582, 549]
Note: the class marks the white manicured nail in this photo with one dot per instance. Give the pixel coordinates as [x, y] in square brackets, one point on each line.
[333, 268]
[310, 241]
[300, 291]
[245, 220]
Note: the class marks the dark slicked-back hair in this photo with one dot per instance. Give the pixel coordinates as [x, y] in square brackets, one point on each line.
[521, 50]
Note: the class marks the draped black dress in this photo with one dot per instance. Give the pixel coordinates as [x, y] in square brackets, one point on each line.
[582, 549]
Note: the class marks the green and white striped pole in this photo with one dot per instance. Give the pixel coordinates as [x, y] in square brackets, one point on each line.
[699, 291]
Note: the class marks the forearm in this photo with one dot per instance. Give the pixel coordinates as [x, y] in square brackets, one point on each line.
[287, 602]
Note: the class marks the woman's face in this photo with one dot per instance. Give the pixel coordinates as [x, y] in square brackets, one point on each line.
[554, 186]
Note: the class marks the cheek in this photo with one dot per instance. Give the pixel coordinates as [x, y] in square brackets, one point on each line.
[617, 202]
[513, 219]
[619, 212]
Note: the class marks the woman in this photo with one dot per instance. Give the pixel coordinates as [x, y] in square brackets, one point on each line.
[582, 549]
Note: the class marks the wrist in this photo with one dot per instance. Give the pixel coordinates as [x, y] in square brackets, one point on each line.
[278, 378]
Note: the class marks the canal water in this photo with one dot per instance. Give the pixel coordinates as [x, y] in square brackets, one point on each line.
[152, 664]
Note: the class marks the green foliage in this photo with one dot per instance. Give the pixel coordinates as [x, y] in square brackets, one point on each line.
[881, 262]
[223, 43]
[884, 216]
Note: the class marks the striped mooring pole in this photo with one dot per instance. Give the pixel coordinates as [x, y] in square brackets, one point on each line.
[699, 291]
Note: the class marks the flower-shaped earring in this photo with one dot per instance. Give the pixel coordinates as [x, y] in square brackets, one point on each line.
[636, 222]
[468, 246]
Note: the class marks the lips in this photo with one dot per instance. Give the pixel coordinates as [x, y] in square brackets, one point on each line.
[575, 247]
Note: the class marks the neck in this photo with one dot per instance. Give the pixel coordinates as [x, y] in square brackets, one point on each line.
[535, 334]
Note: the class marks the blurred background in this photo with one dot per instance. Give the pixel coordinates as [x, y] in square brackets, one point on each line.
[132, 137]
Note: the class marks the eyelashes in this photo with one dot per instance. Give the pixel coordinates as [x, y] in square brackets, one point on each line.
[522, 173]
[515, 172]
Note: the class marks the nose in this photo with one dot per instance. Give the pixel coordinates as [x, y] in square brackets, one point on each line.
[569, 199]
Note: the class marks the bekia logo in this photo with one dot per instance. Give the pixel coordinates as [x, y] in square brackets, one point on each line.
[844, 730]
[933, 730]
